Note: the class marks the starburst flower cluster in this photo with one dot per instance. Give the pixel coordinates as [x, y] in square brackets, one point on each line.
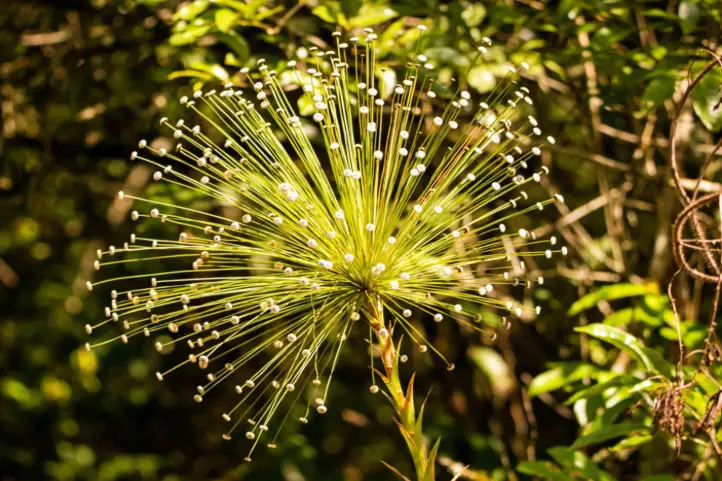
[398, 209]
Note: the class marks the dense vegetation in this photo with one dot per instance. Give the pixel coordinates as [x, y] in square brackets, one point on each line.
[590, 389]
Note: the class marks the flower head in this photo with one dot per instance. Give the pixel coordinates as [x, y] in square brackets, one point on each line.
[401, 210]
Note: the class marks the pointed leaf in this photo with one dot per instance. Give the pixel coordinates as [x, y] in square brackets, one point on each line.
[621, 340]
[431, 462]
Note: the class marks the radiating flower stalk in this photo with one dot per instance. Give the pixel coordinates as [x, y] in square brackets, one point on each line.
[401, 212]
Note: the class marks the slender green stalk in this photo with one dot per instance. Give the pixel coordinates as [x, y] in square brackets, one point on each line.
[410, 424]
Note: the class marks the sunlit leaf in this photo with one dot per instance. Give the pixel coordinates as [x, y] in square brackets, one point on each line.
[189, 11]
[545, 469]
[562, 375]
[238, 44]
[619, 339]
[623, 380]
[370, 15]
[706, 98]
[606, 433]
[494, 368]
[578, 463]
[611, 292]
[657, 91]
[225, 19]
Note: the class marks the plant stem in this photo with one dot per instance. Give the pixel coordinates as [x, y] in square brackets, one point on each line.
[401, 399]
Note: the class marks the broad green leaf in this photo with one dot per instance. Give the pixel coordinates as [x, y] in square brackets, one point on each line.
[556, 68]
[474, 14]
[387, 82]
[597, 389]
[238, 44]
[370, 14]
[659, 363]
[481, 79]
[215, 70]
[188, 35]
[545, 469]
[632, 442]
[495, 369]
[305, 105]
[689, 14]
[388, 40]
[619, 339]
[656, 303]
[657, 91]
[350, 8]
[561, 375]
[582, 410]
[578, 463]
[605, 433]
[252, 8]
[327, 13]
[190, 10]
[659, 13]
[627, 315]
[706, 98]
[238, 5]
[225, 19]
[608, 293]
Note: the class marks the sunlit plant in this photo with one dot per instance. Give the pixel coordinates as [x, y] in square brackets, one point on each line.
[388, 205]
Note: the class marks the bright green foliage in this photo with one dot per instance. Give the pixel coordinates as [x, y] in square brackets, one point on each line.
[617, 406]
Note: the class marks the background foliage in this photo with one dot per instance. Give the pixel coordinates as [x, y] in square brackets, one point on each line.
[568, 395]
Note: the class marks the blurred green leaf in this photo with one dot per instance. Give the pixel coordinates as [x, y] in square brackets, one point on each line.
[494, 368]
[370, 14]
[189, 11]
[689, 14]
[237, 43]
[305, 105]
[606, 433]
[474, 14]
[578, 463]
[706, 98]
[658, 91]
[611, 292]
[328, 12]
[189, 35]
[225, 19]
[632, 442]
[599, 388]
[545, 469]
[561, 375]
[350, 8]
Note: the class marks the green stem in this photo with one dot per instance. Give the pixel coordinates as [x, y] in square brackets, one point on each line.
[401, 399]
